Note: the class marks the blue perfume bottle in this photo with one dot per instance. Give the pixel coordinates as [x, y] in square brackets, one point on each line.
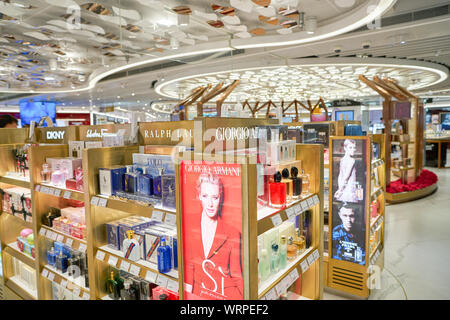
[61, 262]
[168, 191]
[145, 183]
[131, 181]
[51, 257]
[164, 257]
[175, 252]
[157, 183]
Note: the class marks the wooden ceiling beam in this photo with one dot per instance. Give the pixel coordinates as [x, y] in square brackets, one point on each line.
[392, 91]
[371, 84]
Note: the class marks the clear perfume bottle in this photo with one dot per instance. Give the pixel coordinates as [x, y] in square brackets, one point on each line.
[46, 173]
[131, 248]
[264, 265]
[299, 241]
[145, 183]
[274, 259]
[59, 176]
[305, 183]
[359, 192]
[283, 252]
[291, 249]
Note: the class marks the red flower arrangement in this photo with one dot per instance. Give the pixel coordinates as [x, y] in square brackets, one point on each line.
[426, 179]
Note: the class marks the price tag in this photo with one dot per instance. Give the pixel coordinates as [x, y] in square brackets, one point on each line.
[298, 209]
[112, 261]
[82, 247]
[45, 273]
[67, 194]
[51, 276]
[60, 238]
[125, 265]
[316, 254]
[290, 212]
[310, 202]
[294, 275]
[135, 270]
[286, 283]
[56, 192]
[271, 295]
[37, 188]
[172, 285]
[102, 202]
[150, 276]
[69, 242]
[76, 292]
[85, 296]
[171, 219]
[276, 220]
[42, 232]
[94, 201]
[162, 281]
[304, 265]
[157, 216]
[310, 259]
[280, 288]
[63, 283]
[54, 236]
[304, 205]
[100, 255]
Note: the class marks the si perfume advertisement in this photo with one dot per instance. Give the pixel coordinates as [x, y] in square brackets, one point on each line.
[348, 200]
[211, 213]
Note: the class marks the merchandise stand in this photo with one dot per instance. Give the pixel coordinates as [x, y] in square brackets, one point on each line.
[352, 277]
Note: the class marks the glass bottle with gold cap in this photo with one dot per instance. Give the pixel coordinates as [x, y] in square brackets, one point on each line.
[112, 287]
[131, 248]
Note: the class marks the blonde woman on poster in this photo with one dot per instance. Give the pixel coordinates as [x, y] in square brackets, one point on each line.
[347, 191]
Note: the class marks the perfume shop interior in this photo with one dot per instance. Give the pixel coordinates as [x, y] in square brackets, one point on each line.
[225, 150]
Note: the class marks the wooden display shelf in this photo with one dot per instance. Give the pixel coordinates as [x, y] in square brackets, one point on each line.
[377, 247]
[15, 284]
[59, 192]
[72, 283]
[28, 224]
[13, 250]
[378, 192]
[144, 267]
[402, 169]
[275, 218]
[398, 142]
[15, 180]
[377, 163]
[410, 196]
[60, 236]
[278, 277]
[375, 222]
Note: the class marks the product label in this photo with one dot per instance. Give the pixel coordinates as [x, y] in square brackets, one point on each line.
[67, 194]
[276, 220]
[60, 238]
[135, 270]
[150, 276]
[157, 216]
[100, 255]
[172, 285]
[112, 261]
[125, 266]
[304, 265]
[171, 219]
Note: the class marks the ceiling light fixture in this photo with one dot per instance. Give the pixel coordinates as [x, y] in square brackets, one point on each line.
[174, 43]
[53, 64]
[311, 25]
[183, 19]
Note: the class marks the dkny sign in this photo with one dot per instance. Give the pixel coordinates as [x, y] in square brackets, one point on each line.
[55, 135]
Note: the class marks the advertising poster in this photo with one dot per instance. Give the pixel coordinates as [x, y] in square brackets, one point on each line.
[348, 200]
[211, 215]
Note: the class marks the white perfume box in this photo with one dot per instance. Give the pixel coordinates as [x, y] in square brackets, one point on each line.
[105, 181]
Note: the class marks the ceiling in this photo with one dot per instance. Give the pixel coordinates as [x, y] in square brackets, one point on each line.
[69, 45]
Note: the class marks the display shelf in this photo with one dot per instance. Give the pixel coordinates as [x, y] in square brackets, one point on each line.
[127, 205]
[13, 249]
[16, 180]
[59, 192]
[272, 218]
[144, 265]
[401, 143]
[60, 236]
[278, 277]
[402, 169]
[28, 224]
[18, 286]
[377, 247]
[78, 282]
[377, 163]
[378, 192]
[375, 222]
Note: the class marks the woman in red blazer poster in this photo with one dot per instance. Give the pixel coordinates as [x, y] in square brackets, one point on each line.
[212, 224]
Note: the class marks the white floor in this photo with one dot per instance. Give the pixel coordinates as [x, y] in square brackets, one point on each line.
[417, 248]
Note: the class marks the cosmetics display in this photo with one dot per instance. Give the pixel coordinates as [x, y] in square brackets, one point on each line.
[155, 242]
[65, 173]
[121, 285]
[25, 242]
[68, 261]
[17, 201]
[69, 220]
[76, 148]
[23, 274]
[21, 165]
[150, 179]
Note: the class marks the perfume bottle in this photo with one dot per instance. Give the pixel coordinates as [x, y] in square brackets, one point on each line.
[157, 187]
[359, 192]
[262, 185]
[130, 180]
[277, 192]
[296, 183]
[73, 265]
[305, 183]
[78, 173]
[274, 259]
[164, 257]
[264, 265]
[145, 183]
[168, 191]
[299, 241]
[291, 249]
[59, 176]
[112, 287]
[128, 292]
[283, 252]
[307, 228]
[45, 173]
[288, 183]
[131, 249]
[61, 262]
[51, 257]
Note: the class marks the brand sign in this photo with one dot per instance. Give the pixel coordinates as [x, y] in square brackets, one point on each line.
[95, 133]
[55, 135]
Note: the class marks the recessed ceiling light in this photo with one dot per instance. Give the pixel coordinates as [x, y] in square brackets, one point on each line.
[133, 94]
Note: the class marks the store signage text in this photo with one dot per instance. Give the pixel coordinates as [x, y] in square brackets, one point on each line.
[177, 133]
[240, 133]
[55, 135]
[95, 134]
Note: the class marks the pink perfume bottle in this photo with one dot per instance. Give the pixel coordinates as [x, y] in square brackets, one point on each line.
[45, 173]
[59, 176]
[79, 178]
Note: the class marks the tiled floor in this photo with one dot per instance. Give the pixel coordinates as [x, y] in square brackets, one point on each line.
[417, 248]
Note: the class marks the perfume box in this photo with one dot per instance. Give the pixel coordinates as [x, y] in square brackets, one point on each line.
[54, 162]
[112, 235]
[76, 215]
[93, 144]
[168, 192]
[154, 163]
[111, 180]
[152, 242]
[140, 237]
[273, 133]
[317, 133]
[70, 164]
[164, 150]
[295, 135]
[76, 149]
